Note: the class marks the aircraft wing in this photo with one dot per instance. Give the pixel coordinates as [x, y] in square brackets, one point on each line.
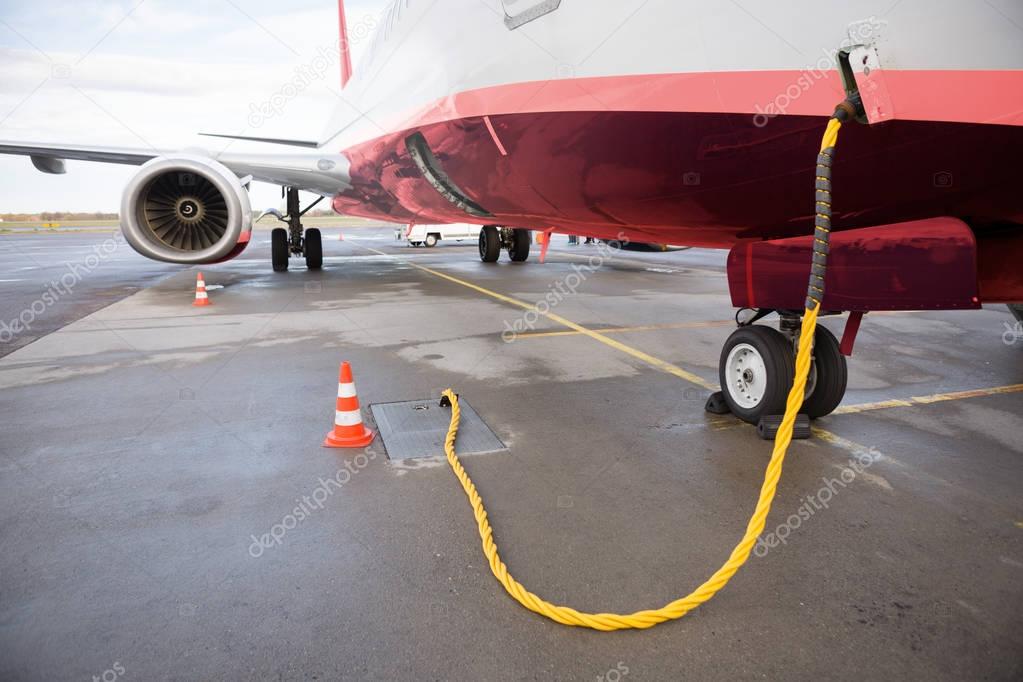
[314, 171]
[46, 155]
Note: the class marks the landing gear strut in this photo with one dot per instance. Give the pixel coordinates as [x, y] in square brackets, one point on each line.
[291, 241]
[757, 365]
[494, 238]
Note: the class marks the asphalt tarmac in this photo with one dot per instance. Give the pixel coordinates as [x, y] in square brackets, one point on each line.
[167, 510]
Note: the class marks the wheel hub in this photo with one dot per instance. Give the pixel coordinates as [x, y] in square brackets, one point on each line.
[811, 379]
[747, 375]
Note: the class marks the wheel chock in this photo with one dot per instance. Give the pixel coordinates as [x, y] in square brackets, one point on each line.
[716, 403]
[767, 428]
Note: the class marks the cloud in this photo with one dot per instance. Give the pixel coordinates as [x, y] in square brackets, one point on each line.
[23, 69]
[105, 73]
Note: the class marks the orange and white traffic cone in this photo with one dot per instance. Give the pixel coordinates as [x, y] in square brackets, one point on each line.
[201, 297]
[544, 240]
[348, 431]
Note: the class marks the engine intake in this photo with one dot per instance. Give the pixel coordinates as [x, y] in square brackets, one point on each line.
[186, 209]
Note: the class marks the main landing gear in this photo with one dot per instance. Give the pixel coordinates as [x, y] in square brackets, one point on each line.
[291, 241]
[757, 365]
[494, 238]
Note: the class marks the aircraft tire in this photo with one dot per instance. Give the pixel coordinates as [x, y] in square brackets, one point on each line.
[279, 249]
[519, 250]
[313, 249]
[755, 370]
[490, 244]
[831, 373]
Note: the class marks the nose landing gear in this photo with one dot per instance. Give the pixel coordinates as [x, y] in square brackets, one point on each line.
[757, 365]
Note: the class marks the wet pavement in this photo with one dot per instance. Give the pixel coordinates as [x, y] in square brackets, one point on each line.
[166, 505]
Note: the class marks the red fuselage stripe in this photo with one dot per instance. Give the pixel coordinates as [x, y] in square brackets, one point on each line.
[947, 95]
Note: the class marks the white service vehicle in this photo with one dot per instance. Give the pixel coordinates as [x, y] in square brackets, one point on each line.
[429, 235]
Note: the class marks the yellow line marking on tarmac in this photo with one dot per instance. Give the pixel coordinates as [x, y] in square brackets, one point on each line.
[662, 365]
[869, 407]
[640, 328]
[929, 399]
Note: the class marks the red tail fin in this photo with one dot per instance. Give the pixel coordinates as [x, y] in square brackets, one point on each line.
[346, 55]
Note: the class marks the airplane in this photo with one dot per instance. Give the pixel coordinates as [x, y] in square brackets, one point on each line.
[665, 121]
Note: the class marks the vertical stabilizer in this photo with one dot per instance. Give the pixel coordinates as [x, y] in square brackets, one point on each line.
[346, 54]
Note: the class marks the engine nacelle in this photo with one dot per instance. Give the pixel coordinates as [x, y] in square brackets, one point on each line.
[186, 209]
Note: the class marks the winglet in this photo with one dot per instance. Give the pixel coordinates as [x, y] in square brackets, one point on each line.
[346, 55]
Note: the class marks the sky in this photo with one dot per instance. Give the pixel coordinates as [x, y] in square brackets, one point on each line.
[153, 73]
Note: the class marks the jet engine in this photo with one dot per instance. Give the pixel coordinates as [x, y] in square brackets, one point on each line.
[187, 209]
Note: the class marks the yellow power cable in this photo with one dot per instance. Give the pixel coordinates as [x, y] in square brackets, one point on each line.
[680, 607]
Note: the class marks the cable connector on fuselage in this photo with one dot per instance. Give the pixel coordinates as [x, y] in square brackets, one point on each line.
[850, 108]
